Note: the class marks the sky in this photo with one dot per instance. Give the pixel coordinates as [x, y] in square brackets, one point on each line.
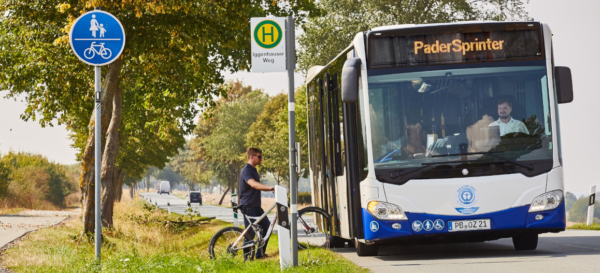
[575, 27]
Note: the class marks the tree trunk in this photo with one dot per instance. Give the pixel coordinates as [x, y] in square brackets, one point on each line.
[119, 186]
[132, 190]
[223, 196]
[148, 183]
[111, 173]
[87, 177]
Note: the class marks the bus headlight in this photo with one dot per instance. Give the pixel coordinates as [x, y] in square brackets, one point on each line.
[386, 211]
[546, 201]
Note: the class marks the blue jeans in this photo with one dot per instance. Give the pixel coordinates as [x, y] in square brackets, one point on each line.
[264, 225]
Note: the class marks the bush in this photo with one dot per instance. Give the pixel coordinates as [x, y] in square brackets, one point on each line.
[304, 198]
[578, 212]
[31, 181]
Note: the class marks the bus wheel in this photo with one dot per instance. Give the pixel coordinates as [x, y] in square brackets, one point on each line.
[525, 242]
[363, 249]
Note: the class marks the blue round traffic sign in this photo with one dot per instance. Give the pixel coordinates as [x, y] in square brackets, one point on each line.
[97, 38]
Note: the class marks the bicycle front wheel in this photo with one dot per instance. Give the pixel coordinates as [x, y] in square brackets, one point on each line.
[222, 244]
[314, 228]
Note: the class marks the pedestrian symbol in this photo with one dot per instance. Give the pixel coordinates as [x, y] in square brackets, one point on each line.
[97, 38]
[267, 34]
[428, 225]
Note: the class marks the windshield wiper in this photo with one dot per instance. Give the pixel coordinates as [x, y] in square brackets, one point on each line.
[396, 174]
[524, 165]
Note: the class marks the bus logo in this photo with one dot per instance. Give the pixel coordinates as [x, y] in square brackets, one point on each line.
[466, 197]
[267, 34]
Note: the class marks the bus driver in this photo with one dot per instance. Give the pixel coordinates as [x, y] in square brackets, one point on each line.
[506, 123]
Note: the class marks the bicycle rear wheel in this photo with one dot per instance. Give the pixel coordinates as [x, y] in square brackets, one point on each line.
[222, 244]
[314, 228]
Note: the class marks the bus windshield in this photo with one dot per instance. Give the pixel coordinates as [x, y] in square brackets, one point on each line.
[460, 114]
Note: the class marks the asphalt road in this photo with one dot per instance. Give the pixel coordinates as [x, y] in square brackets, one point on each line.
[569, 251]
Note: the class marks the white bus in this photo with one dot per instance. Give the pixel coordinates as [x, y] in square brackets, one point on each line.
[439, 133]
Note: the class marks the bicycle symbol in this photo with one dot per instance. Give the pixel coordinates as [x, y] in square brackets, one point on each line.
[102, 51]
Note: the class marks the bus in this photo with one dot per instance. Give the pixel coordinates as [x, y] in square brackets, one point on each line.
[439, 133]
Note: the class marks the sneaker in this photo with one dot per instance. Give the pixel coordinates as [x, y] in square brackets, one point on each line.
[264, 256]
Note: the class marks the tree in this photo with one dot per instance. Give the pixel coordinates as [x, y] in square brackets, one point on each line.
[173, 59]
[4, 178]
[327, 35]
[192, 171]
[270, 132]
[569, 200]
[264, 134]
[221, 134]
[578, 212]
[301, 110]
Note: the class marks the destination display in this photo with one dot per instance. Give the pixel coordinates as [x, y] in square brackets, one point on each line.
[451, 48]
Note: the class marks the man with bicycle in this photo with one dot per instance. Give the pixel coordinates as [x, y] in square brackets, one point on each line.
[250, 188]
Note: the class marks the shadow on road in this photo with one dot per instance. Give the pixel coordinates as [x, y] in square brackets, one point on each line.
[548, 247]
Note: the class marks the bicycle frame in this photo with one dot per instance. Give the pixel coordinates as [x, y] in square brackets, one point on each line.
[269, 231]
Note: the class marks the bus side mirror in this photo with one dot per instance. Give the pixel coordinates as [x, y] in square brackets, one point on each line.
[564, 84]
[350, 73]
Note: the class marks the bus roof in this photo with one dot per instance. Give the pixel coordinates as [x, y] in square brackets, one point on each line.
[405, 26]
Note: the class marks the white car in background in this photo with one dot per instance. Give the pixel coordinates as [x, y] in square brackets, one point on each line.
[165, 187]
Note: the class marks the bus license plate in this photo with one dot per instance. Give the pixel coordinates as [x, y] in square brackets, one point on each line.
[479, 224]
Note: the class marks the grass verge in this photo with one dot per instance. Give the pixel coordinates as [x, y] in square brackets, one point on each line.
[585, 226]
[4, 211]
[142, 241]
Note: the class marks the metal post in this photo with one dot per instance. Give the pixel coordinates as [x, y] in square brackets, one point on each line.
[592, 201]
[98, 160]
[235, 214]
[169, 205]
[291, 66]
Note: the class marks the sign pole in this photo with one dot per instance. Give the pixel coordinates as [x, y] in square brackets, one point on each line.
[98, 161]
[291, 65]
[97, 38]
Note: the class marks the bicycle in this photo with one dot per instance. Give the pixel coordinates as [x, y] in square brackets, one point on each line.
[103, 52]
[228, 241]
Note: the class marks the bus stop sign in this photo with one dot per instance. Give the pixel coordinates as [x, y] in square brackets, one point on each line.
[97, 38]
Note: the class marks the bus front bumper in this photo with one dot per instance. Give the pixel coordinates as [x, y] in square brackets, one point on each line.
[505, 223]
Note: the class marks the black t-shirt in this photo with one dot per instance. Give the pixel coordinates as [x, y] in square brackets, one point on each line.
[249, 195]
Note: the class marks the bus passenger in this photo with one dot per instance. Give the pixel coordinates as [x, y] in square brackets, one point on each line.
[506, 123]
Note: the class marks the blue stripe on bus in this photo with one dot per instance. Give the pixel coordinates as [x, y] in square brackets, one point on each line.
[513, 218]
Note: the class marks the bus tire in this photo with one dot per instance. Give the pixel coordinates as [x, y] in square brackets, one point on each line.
[525, 241]
[363, 249]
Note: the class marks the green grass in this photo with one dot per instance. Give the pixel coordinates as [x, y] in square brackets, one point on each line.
[585, 226]
[142, 242]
